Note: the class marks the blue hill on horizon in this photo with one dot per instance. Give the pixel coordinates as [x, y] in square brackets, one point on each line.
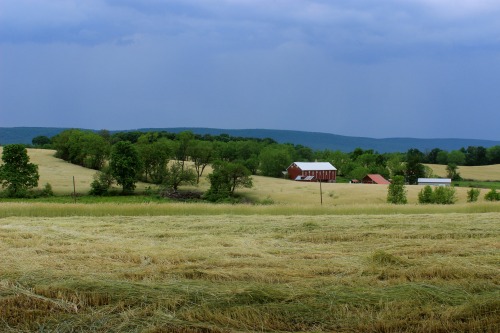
[314, 140]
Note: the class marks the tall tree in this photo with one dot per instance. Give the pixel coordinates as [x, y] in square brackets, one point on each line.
[155, 157]
[414, 168]
[184, 141]
[493, 155]
[125, 165]
[456, 157]
[452, 172]
[274, 160]
[17, 174]
[396, 192]
[202, 154]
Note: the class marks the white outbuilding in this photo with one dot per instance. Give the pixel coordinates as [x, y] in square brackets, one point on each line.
[435, 181]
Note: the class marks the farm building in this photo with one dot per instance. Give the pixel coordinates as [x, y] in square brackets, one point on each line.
[435, 181]
[312, 171]
[375, 179]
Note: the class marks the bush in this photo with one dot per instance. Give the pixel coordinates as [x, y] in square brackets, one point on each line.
[47, 191]
[101, 183]
[443, 195]
[473, 194]
[426, 196]
[492, 195]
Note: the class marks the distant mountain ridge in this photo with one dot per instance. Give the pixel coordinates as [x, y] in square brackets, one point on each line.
[314, 140]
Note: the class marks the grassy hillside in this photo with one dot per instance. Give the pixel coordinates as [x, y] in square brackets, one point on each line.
[480, 173]
[60, 173]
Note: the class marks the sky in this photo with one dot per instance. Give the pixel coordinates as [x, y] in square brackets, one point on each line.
[370, 68]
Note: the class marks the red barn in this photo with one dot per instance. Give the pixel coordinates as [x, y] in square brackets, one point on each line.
[375, 179]
[312, 171]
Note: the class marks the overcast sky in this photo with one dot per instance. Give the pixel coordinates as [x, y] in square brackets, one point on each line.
[373, 68]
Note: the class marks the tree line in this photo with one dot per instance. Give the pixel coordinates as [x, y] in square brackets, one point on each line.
[160, 158]
[162, 155]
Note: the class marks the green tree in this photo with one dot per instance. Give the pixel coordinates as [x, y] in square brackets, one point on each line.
[492, 195]
[442, 157]
[102, 182]
[473, 194]
[414, 169]
[452, 172]
[444, 195]
[396, 192]
[84, 148]
[476, 155]
[178, 175]
[456, 157]
[395, 165]
[125, 165]
[40, 141]
[154, 156]
[225, 178]
[338, 159]
[202, 154]
[184, 141]
[432, 156]
[425, 196]
[274, 160]
[493, 155]
[17, 174]
[359, 172]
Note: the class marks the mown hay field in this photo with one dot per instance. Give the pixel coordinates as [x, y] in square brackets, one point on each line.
[353, 264]
[257, 273]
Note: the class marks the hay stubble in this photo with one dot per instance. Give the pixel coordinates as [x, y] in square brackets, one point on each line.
[220, 273]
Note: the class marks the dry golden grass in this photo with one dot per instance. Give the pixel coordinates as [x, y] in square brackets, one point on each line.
[59, 174]
[482, 173]
[262, 273]
[355, 264]
[284, 191]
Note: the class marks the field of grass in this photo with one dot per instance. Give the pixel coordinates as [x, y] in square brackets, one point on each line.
[262, 273]
[353, 264]
[480, 173]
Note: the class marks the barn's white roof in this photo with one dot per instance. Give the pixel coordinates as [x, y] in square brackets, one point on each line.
[435, 180]
[314, 166]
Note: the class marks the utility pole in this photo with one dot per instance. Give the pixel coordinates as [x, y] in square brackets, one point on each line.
[320, 192]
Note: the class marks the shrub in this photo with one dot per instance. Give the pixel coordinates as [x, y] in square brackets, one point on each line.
[47, 191]
[425, 196]
[101, 183]
[473, 194]
[492, 195]
[443, 195]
